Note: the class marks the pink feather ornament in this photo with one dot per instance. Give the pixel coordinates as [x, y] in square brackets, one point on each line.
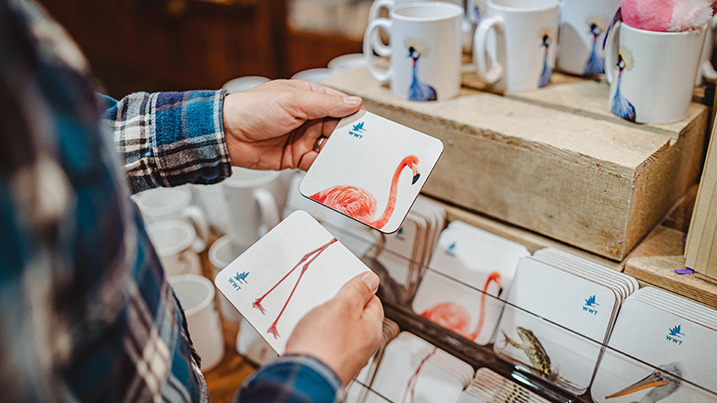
[666, 15]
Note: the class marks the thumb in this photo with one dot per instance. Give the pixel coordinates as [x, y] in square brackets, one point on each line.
[360, 289]
[317, 105]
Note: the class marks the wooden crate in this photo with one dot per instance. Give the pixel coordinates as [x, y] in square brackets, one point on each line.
[585, 178]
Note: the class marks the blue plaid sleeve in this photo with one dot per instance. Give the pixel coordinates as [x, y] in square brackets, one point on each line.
[170, 138]
[292, 378]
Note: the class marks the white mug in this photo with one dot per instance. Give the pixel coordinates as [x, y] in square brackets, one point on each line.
[221, 253]
[378, 5]
[425, 50]
[162, 204]
[252, 201]
[252, 346]
[210, 198]
[583, 25]
[196, 296]
[177, 245]
[651, 74]
[518, 38]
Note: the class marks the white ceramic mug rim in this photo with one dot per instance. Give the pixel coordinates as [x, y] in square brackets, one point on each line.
[424, 4]
[180, 246]
[222, 242]
[527, 9]
[656, 33]
[175, 204]
[243, 184]
[200, 279]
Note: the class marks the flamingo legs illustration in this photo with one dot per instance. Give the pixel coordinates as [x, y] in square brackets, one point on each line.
[411, 386]
[454, 317]
[664, 385]
[621, 106]
[596, 63]
[361, 204]
[547, 70]
[311, 256]
[418, 90]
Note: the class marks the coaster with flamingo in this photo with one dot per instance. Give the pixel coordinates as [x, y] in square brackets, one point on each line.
[294, 268]
[372, 170]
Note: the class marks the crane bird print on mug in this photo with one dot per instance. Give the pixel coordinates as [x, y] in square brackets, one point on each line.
[371, 169]
[621, 106]
[418, 91]
[547, 72]
[596, 62]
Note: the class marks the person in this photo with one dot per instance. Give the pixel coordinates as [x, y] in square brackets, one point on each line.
[86, 313]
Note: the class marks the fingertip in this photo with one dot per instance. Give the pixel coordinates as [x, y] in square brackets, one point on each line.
[371, 280]
[357, 292]
[353, 101]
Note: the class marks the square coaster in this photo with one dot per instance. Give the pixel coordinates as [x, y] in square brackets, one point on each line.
[372, 170]
[294, 268]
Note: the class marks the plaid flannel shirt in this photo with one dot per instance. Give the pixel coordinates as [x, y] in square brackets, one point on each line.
[86, 313]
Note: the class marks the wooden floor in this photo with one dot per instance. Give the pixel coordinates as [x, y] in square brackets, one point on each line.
[225, 379]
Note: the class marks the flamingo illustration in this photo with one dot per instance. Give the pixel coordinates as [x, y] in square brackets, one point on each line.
[596, 63]
[454, 317]
[361, 204]
[413, 380]
[418, 90]
[621, 106]
[547, 70]
[312, 255]
[663, 383]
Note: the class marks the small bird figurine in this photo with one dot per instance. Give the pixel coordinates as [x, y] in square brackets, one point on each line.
[666, 15]
[418, 90]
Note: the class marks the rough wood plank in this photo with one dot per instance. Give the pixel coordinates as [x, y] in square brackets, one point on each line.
[558, 173]
[654, 261]
[701, 248]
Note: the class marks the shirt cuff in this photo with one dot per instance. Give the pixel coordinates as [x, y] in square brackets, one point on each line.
[299, 378]
[171, 138]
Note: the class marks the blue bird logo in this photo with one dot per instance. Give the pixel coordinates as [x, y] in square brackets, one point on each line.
[675, 331]
[591, 302]
[241, 277]
[358, 127]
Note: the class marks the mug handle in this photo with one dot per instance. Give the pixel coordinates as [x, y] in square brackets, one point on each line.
[492, 75]
[380, 48]
[708, 70]
[268, 210]
[376, 7]
[611, 49]
[199, 221]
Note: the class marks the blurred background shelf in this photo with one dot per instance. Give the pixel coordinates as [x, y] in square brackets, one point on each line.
[199, 44]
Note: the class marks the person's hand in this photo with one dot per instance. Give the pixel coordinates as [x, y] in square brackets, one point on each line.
[276, 125]
[344, 332]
